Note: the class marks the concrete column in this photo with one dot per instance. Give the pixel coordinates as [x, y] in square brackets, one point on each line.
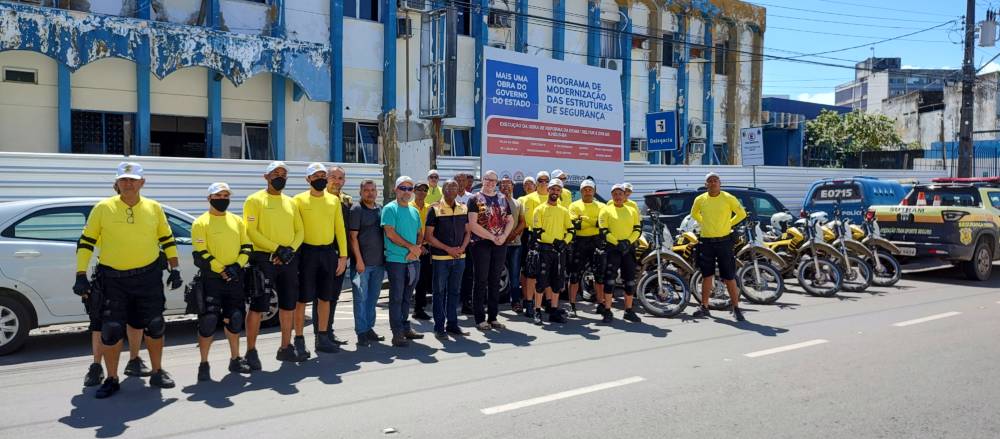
[337, 77]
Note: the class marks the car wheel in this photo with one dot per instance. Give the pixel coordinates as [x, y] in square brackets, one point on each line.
[15, 322]
[981, 265]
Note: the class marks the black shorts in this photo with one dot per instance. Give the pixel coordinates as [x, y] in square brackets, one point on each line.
[586, 256]
[550, 270]
[134, 300]
[623, 263]
[718, 253]
[318, 273]
[223, 298]
[285, 279]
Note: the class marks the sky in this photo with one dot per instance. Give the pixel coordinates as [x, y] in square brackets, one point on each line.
[804, 27]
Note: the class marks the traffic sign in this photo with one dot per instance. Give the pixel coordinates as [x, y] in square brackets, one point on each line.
[752, 146]
[661, 131]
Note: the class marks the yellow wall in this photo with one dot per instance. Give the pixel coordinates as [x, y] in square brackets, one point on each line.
[29, 112]
[181, 93]
[250, 102]
[105, 85]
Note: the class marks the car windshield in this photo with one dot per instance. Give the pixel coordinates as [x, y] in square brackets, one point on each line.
[943, 196]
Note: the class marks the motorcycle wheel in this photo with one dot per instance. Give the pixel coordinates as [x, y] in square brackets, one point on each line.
[890, 272]
[824, 283]
[718, 299]
[665, 298]
[762, 290]
[858, 278]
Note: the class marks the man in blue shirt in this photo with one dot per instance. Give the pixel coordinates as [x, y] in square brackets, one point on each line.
[403, 234]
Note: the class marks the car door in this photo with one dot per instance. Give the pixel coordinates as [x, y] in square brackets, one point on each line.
[180, 225]
[762, 207]
[39, 251]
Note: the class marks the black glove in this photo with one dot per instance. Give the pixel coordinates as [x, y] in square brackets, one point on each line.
[285, 254]
[624, 246]
[233, 271]
[82, 286]
[559, 245]
[174, 280]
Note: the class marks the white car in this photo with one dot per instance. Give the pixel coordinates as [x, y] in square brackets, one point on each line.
[38, 265]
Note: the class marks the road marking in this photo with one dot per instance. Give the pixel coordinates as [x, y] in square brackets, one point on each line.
[560, 395]
[790, 347]
[926, 319]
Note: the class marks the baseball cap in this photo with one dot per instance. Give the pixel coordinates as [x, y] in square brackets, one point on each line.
[710, 175]
[541, 174]
[617, 187]
[627, 186]
[588, 183]
[558, 173]
[528, 180]
[556, 182]
[403, 179]
[218, 187]
[275, 165]
[432, 172]
[421, 183]
[129, 170]
[314, 168]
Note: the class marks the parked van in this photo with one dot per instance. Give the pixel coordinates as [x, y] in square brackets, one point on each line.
[855, 194]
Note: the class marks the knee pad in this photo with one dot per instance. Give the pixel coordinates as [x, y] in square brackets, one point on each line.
[156, 327]
[112, 333]
[207, 324]
[235, 324]
[630, 288]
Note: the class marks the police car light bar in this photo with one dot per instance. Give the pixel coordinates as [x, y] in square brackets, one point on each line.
[993, 180]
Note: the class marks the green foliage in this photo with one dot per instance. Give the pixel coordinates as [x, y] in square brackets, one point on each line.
[853, 132]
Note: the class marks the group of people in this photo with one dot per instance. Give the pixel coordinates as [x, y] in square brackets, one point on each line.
[433, 239]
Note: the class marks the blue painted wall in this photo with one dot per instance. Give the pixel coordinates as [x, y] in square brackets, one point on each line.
[337, 81]
[626, 47]
[808, 109]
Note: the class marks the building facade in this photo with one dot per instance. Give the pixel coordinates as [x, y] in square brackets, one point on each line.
[338, 80]
[932, 118]
[878, 79]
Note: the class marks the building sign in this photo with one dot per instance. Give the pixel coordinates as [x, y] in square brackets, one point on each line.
[544, 114]
[661, 131]
[752, 146]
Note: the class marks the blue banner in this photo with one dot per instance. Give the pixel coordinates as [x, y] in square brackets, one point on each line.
[661, 131]
[511, 90]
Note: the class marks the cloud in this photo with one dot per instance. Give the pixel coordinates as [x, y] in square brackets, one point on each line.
[817, 98]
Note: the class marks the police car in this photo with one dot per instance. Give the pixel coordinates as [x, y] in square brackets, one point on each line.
[38, 264]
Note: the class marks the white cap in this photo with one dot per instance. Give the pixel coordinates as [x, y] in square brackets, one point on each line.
[627, 186]
[710, 175]
[491, 172]
[432, 172]
[403, 179]
[558, 173]
[129, 170]
[588, 183]
[529, 180]
[218, 187]
[275, 165]
[556, 182]
[314, 168]
[541, 174]
[617, 187]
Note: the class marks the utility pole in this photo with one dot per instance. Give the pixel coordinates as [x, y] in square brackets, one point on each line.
[968, 104]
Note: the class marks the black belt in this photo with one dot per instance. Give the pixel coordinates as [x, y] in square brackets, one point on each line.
[720, 239]
[158, 265]
[310, 247]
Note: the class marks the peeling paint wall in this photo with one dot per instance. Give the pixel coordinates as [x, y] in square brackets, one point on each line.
[29, 105]
[178, 11]
[307, 129]
[308, 20]
[245, 17]
[362, 70]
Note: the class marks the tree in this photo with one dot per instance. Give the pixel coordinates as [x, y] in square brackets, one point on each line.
[852, 132]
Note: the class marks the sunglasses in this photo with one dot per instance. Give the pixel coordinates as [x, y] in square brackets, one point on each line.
[405, 188]
[543, 180]
[433, 177]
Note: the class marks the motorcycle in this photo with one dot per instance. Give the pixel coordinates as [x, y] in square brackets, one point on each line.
[857, 272]
[886, 270]
[661, 290]
[806, 254]
[759, 274]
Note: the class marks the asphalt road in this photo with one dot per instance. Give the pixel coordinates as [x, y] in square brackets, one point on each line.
[917, 360]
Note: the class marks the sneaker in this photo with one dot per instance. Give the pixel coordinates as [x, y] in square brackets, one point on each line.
[483, 326]
[238, 365]
[421, 315]
[456, 331]
[738, 315]
[467, 310]
[600, 309]
[572, 311]
[399, 341]
[537, 317]
[253, 360]
[300, 348]
[324, 344]
[608, 316]
[363, 340]
[412, 335]
[517, 307]
[702, 312]
[556, 317]
[372, 336]
[161, 379]
[203, 372]
[287, 353]
[338, 341]
[529, 313]
[110, 387]
[497, 325]
[137, 368]
[94, 375]
[441, 335]
[631, 316]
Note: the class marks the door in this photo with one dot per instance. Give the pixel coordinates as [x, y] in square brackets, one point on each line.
[39, 251]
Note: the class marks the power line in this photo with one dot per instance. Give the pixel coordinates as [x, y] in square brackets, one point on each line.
[769, 27]
[862, 5]
[845, 23]
[844, 15]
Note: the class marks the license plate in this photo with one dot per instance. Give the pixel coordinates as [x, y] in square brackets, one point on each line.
[907, 251]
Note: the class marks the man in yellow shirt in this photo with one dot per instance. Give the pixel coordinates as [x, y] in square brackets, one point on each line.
[531, 201]
[619, 224]
[566, 196]
[553, 229]
[336, 177]
[717, 212]
[434, 193]
[526, 296]
[275, 229]
[323, 257]
[628, 197]
[221, 251]
[136, 246]
[588, 248]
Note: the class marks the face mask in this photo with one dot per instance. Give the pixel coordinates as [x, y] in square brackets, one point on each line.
[278, 183]
[220, 204]
[553, 197]
[318, 184]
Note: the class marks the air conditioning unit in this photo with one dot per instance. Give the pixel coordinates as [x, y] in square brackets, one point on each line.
[698, 131]
[404, 28]
[499, 19]
[499, 45]
[639, 145]
[612, 64]
[415, 5]
[697, 148]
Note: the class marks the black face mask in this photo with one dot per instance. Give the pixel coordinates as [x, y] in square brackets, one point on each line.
[278, 183]
[220, 204]
[318, 184]
[553, 197]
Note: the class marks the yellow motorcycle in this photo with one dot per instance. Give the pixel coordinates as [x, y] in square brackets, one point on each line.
[806, 254]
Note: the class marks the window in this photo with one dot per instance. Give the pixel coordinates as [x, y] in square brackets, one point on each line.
[720, 58]
[101, 133]
[176, 136]
[55, 224]
[457, 142]
[362, 9]
[244, 140]
[180, 228]
[995, 199]
[668, 50]
[24, 76]
[675, 205]
[763, 207]
[610, 44]
[361, 143]
[463, 19]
